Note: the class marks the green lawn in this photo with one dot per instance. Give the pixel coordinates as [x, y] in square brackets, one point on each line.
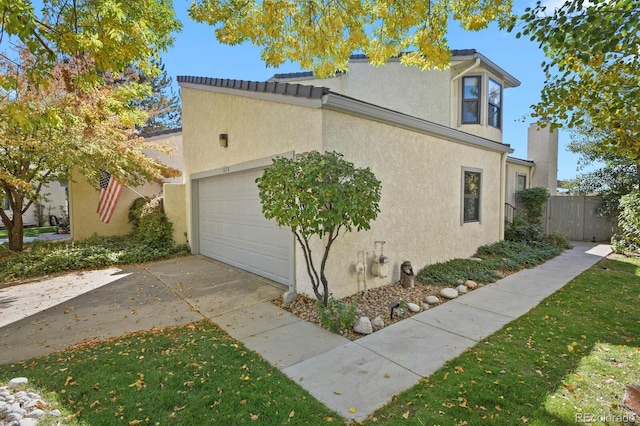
[191, 375]
[565, 361]
[32, 232]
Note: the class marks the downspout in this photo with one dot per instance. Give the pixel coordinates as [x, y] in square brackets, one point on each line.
[503, 195]
[452, 113]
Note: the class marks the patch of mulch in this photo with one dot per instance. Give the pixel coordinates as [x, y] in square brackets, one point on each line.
[370, 303]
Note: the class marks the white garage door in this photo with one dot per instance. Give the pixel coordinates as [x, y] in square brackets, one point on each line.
[232, 228]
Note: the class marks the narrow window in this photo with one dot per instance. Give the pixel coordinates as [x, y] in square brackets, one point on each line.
[472, 186]
[471, 100]
[494, 111]
[521, 182]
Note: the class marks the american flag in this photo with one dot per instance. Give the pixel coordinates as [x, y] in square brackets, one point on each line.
[109, 194]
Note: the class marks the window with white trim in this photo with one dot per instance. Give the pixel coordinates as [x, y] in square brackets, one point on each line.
[471, 99]
[471, 194]
[494, 101]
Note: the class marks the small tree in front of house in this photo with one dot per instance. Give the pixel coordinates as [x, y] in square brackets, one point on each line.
[319, 195]
[533, 200]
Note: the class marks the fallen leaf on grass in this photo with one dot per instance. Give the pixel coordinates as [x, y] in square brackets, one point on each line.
[405, 415]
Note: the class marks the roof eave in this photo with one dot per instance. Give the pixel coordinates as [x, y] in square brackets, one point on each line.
[335, 102]
[510, 80]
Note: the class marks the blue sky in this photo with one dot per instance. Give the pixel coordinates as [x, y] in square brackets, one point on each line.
[197, 52]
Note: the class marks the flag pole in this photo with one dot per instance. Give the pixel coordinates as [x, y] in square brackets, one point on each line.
[133, 190]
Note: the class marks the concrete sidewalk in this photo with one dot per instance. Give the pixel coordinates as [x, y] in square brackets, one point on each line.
[365, 374]
[51, 314]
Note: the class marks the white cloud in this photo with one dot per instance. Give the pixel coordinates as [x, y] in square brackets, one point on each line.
[553, 4]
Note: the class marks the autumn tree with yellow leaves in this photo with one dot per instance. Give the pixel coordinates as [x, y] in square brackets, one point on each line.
[47, 130]
[322, 34]
[592, 68]
[66, 99]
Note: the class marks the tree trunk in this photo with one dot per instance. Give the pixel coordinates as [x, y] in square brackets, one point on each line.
[16, 233]
[15, 224]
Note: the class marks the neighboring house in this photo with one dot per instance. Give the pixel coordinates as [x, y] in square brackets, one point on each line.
[84, 197]
[54, 204]
[433, 138]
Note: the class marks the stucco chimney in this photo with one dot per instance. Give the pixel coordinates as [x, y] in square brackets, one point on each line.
[542, 148]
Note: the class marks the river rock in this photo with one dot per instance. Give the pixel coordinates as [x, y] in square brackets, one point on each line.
[377, 323]
[449, 293]
[470, 284]
[16, 382]
[363, 326]
[432, 300]
[289, 296]
[413, 307]
[462, 289]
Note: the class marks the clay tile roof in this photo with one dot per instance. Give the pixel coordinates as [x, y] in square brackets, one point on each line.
[287, 89]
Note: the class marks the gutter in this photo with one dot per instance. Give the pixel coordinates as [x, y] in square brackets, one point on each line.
[334, 102]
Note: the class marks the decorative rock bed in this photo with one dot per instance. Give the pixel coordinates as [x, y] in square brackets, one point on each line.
[373, 305]
[20, 407]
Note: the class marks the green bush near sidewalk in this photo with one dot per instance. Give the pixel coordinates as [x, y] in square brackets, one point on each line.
[491, 262]
[47, 258]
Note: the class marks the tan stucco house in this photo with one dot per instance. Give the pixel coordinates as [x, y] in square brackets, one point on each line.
[433, 138]
[84, 197]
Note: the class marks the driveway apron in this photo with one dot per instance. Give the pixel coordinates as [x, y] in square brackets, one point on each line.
[48, 315]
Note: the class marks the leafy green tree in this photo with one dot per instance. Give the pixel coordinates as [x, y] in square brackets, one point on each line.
[533, 200]
[322, 34]
[111, 35]
[161, 104]
[628, 238]
[319, 194]
[592, 68]
[618, 176]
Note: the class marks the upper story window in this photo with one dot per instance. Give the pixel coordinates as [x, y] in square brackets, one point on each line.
[481, 101]
[471, 100]
[494, 98]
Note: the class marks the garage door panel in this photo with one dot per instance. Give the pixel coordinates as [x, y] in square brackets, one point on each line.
[232, 228]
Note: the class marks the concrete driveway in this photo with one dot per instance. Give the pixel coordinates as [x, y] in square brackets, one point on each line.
[47, 315]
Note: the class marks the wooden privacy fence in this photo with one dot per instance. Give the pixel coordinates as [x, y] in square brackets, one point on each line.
[576, 217]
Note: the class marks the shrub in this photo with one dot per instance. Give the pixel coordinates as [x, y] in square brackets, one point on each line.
[533, 199]
[504, 257]
[44, 257]
[150, 223]
[155, 230]
[521, 230]
[337, 315]
[135, 211]
[449, 273]
[627, 240]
